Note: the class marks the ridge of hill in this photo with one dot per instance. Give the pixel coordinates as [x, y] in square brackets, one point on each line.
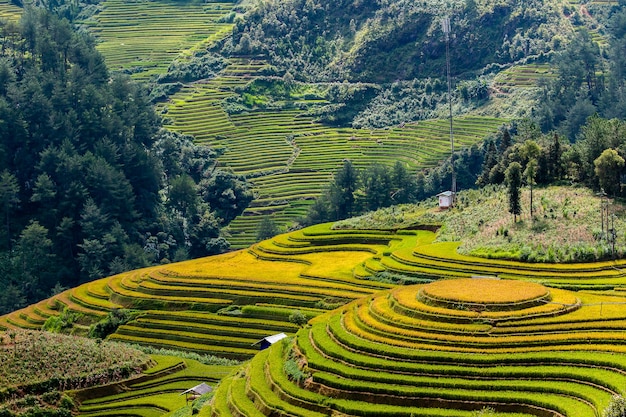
[384, 42]
[271, 118]
[276, 115]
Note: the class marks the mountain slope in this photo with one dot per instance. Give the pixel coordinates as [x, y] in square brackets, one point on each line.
[387, 41]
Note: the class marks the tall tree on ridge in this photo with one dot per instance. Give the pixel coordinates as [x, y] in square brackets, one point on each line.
[514, 181]
[342, 189]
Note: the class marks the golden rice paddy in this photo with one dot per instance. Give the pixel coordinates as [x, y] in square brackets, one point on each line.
[485, 291]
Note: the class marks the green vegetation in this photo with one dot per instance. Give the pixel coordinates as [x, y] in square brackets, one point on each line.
[156, 392]
[90, 183]
[36, 368]
[289, 121]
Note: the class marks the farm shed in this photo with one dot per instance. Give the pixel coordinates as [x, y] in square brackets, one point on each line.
[269, 340]
[196, 391]
[446, 199]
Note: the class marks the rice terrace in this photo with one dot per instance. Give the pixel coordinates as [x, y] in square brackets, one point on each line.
[540, 339]
[510, 302]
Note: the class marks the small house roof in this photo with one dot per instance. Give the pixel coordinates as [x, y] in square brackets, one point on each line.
[445, 194]
[272, 339]
[198, 389]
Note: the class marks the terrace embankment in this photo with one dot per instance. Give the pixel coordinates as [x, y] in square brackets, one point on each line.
[445, 348]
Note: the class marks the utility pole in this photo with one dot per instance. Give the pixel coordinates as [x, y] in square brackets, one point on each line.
[445, 26]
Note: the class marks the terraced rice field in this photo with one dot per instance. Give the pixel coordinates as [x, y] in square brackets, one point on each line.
[223, 305]
[289, 157]
[523, 76]
[143, 37]
[156, 392]
[9, 11]
[519, 344]
[521, 349]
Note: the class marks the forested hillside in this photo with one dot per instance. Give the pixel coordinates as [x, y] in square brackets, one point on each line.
[385, 41]
[90, 184]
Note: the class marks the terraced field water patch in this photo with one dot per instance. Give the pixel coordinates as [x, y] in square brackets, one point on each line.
[143, 37]
[359, 362]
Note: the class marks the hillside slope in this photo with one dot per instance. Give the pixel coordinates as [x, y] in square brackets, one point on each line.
[398, 40]
[223, 305]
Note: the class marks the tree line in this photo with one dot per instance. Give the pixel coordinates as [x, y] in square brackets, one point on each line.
[90, 183]
[519, 155]
[589, 80]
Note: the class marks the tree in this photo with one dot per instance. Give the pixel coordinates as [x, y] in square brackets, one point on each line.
[9, 198]
[555, 152]
[227, 193]
[514, 181]
[183, 195]
[529, 174]
[608, 169]
[505, 140]
[203, 235]
[490, 160]
[403, 184]
[377, 187]
[342, 189]
[529, 150]
[267, 228]
[36, 260]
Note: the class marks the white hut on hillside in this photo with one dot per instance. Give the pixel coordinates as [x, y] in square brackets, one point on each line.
[446, 199]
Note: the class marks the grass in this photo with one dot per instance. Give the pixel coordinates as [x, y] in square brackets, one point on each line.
[565, 227]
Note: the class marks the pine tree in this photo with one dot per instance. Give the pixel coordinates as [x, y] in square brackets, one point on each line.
[342, 189]
[490, 161]
[514, 181]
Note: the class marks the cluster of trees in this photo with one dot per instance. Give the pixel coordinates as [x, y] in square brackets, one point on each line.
[529, 157]
[588, 81]
[398, 47]
[403, 101]
[90, 184]
[355, 191]
[520, 155]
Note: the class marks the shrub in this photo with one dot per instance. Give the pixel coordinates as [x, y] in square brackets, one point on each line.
[298, 318]
[111, 322]
[293, 371]
[61, 323]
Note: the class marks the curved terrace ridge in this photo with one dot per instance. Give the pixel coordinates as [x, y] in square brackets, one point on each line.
[484, 294]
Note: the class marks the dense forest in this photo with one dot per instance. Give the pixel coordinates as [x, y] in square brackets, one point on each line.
[390, 55]
[90, 184]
